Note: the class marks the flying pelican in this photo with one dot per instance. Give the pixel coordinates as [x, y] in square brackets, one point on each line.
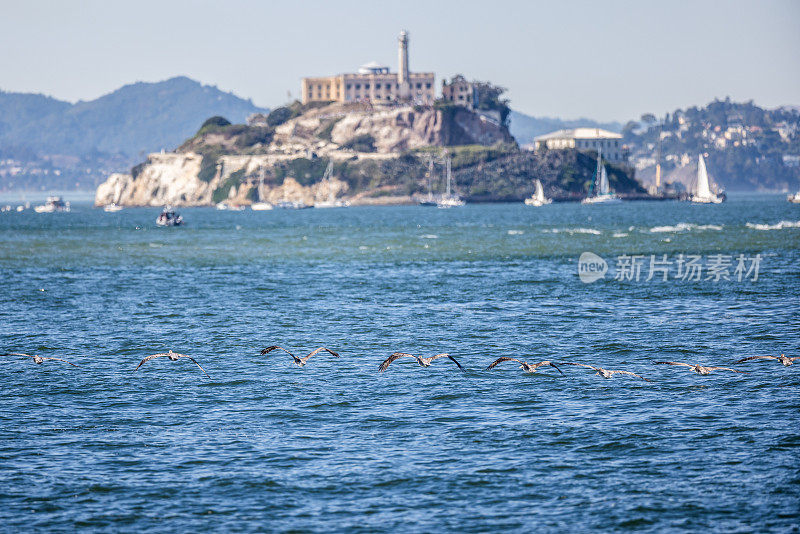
[528, 367]
[423, 362]
[38, 359]
[699, 369]
[174, 356]
[299, 361]
[785, 360]
[605, 373]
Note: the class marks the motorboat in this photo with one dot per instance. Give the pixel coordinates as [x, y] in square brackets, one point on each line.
[52, 205]
[168, 217]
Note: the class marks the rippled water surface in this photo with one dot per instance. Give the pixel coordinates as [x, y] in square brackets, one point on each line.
[336, 445]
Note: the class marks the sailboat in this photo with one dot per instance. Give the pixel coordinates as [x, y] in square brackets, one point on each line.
[538, 198]
[331, 202]
[260, 205]
[794, 199]
[429, 200]
[602, 193]
[449, 200]
[702, 192]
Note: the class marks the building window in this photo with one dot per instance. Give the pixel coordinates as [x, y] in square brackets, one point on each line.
[358, 86]
[366, 86]
[427, 86]
[377, 86]
[419, 86]
[348, 86]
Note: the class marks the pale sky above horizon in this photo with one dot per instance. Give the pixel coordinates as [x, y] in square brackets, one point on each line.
[610, 60]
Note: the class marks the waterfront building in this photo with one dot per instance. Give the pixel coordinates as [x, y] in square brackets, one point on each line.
[374, 83]
[460, 91]
[595, 139]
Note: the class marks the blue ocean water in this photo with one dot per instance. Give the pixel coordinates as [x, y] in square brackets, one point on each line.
[337, 446]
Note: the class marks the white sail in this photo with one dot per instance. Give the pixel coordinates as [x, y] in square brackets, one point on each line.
[602, 191]
[703, 188]
[449, 200]
[602, 187]
[539, 195]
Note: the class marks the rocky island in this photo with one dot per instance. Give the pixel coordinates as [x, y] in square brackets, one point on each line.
[379, 155]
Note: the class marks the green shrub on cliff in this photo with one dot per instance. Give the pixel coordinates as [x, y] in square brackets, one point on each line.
[305, 171]
[221, 192]
[213, 124]
[325, 133]
[361, 143]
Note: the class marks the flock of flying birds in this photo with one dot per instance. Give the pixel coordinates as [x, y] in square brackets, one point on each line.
[426, 362]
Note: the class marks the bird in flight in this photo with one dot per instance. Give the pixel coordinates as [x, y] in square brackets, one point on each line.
[605, 373]
[174, 356]
[785, 360]
[299, 361]
[527, 367]
[699, 369]
[423, 362]
[38, 359]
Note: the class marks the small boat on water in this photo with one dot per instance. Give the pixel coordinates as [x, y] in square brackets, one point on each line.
[602, 192]
[111, 208]
[702, 191]
[292, 205]
[429, 200]
[794, 199]
[52, 205]
[168, 217]
[449, 199]
[222, 206]
[332, 201]
[538, 198]
[260, 204]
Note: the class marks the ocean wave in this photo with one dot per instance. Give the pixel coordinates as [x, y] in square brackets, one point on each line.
[515, 232]
[685, 227]
[429, 236]
[574, 231]
[778, 226]
[620, 234]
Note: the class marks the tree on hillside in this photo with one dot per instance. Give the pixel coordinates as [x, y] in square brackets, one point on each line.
[488, 97]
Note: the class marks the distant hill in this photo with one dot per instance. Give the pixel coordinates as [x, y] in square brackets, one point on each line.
[109, 133]
[524, 127]
[746, 147]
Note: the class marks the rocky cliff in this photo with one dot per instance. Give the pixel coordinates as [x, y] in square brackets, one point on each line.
[378, 155]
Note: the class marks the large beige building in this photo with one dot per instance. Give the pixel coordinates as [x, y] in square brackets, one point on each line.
[609, 143]
[374, 83]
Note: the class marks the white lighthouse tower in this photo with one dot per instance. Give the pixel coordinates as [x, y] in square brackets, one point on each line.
[402, 65]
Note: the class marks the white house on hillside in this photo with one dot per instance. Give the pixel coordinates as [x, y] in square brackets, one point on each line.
[585, 139]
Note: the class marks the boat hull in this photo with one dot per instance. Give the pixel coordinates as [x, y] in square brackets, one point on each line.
[610, 199]
[706, 200]
[536, 202]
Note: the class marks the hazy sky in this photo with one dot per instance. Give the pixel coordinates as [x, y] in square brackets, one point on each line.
[600, 59]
